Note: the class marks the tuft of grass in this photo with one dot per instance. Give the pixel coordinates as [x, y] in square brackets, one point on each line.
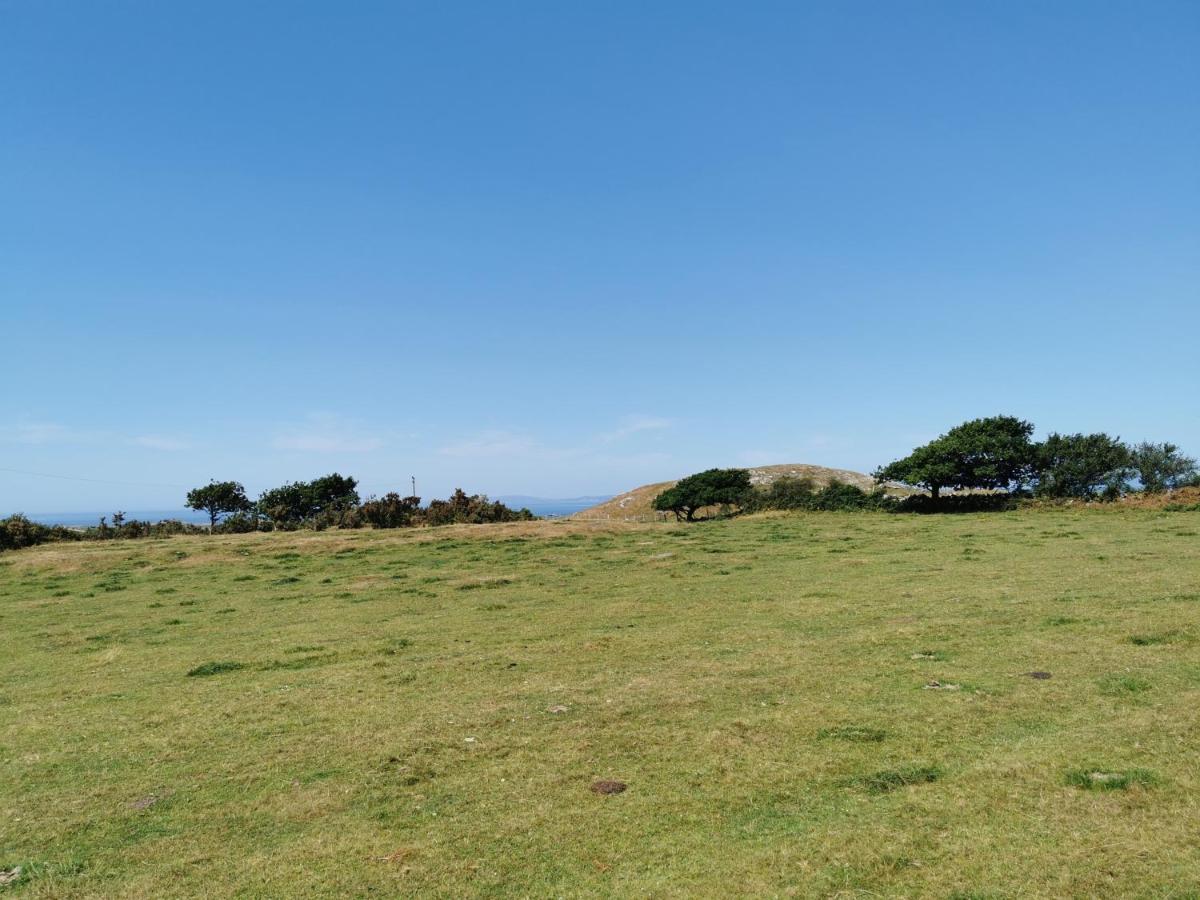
[1062, 620]
[1102, 778]
[858, 734]
[1151, 640]
[486, 583]
[888, 780]
[1118, 685]
[214, 668]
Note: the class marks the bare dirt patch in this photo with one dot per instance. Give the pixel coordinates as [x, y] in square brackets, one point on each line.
[608, 786]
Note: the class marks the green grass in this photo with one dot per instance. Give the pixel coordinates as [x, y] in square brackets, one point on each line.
[427, 713]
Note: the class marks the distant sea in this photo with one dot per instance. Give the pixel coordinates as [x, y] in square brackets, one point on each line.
[539, 506]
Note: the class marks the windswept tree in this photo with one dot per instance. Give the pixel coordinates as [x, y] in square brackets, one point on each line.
[300, 501]
[993, 453]
[1161, 467]
[713, 487]
[217, 498]
[1081, 466]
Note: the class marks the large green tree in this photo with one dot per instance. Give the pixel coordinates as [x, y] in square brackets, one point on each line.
[218, 498]
[1081, 465]
[713, 487]
[298, 501]
[993, 453]
[1161, 467]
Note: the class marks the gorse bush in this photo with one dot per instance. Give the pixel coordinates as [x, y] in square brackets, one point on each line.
[390, 511]
[470, 509]
[17, 532]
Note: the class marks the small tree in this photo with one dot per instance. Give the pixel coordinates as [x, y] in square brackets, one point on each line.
[1081, 466]
[713, 487]
[1161, 467]
[993, 453]
[218, 498]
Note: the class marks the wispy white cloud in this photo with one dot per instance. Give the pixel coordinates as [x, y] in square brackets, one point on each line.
[55, 433]
[327, 433]
[43, 433]
[635, 424]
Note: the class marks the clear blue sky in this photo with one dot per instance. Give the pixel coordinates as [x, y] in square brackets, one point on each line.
[562, 248]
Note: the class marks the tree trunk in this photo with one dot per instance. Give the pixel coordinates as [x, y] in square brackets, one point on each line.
[934, 490]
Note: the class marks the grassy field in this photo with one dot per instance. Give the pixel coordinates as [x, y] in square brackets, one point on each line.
[808, 705]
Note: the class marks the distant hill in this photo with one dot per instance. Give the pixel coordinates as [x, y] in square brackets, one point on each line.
[636, 505]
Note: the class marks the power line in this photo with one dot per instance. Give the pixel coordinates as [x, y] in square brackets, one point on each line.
[93, 480]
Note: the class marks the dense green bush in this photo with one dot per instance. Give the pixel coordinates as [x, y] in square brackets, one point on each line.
[391, 511]
[959, 503]
[17, 532]
[802, 493]
[318, 503]
[241, 523]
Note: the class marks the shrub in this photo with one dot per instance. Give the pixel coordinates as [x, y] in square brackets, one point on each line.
[391, 511]
[240, 523]
[958, 503]
[801, 493]
[17, 532]
[470, 509]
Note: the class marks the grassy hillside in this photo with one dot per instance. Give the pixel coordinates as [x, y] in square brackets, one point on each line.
[798, 705]
[637, 505]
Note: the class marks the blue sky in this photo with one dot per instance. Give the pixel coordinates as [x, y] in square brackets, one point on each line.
[567, 248]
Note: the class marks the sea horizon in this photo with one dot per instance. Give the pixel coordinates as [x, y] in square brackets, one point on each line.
[539, 506]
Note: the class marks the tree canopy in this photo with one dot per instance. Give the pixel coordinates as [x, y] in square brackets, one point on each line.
[300, 501]
[218, 498]
[1161, 467]
[993, 453]
[1081, 465]
[713, 487]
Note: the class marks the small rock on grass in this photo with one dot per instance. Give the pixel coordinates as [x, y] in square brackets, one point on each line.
[558, 709]
[8, 876]
[942, 686]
